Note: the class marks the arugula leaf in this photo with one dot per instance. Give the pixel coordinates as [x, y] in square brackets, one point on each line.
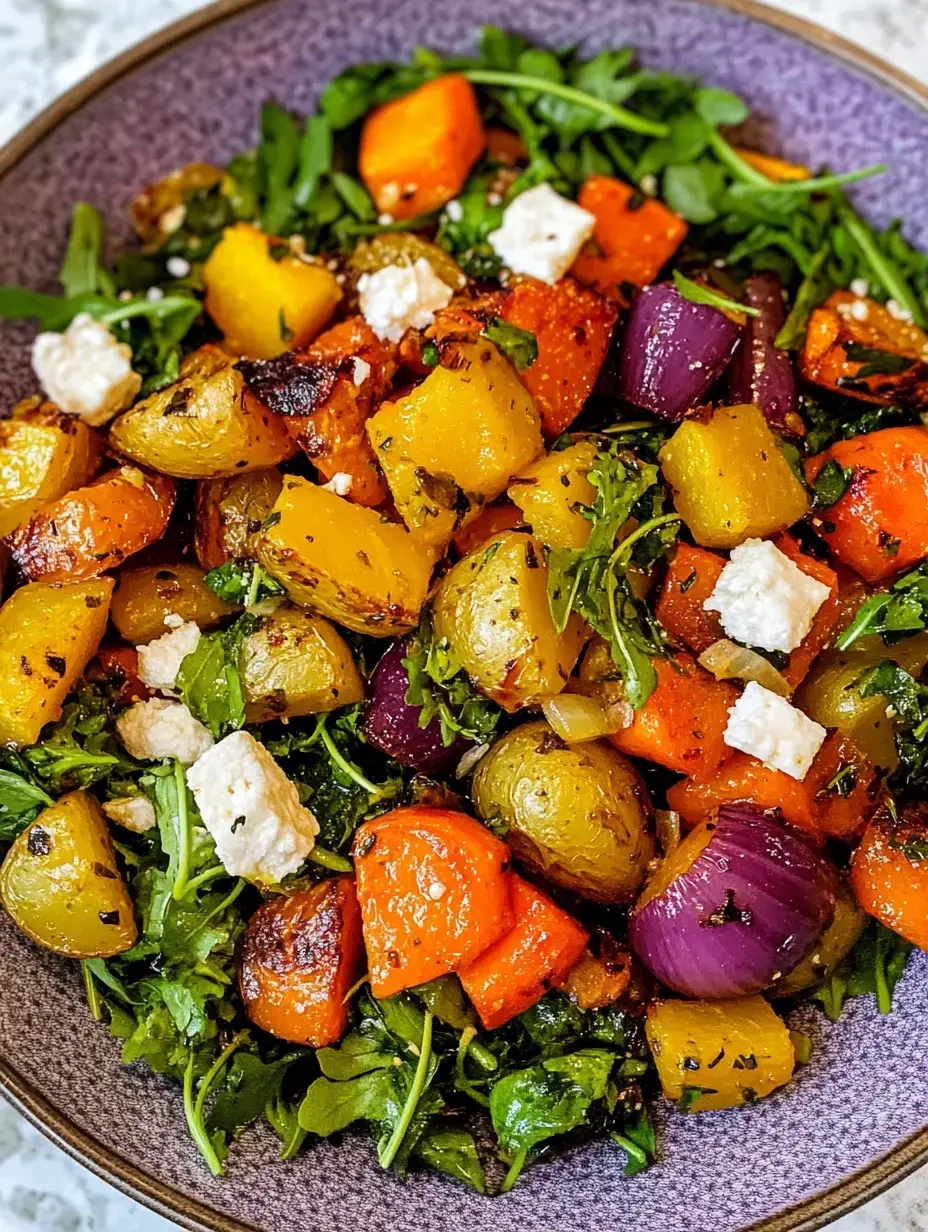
[80, 750]
[697, 293]
[876, 362]
[243, 582]
[898, 612]
[21, 801]
[839, 419]
[209, 682]
[82, 272]
[832, 481]
[520, 346]
[639, 1143]
[439, 685]
[452, 1150]
[875, 965]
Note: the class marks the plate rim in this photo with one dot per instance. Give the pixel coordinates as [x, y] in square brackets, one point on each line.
[806, 1216]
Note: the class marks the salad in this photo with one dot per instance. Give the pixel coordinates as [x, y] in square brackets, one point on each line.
[467, 604]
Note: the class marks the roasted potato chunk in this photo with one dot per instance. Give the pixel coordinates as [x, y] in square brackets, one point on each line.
[550, 493]
[295, 663]
[405, 248]
[61, 885]
[577, 815]
[345, 561]
[230, 513]
[455, 442]
[838, 939]
[145, 596]
[48, 635]
[43, 455]
[206, 426]
[493, 609]
[159, 209]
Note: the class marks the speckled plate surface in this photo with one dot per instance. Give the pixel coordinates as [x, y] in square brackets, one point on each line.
[853, 1121]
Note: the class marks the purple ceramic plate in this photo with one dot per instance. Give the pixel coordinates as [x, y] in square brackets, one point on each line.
[852, 1122]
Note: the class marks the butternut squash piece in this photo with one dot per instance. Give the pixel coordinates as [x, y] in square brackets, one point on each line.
[551, 492]
[889, 873]
[43, 455]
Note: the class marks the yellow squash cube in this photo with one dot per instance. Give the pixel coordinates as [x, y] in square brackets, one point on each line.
[550, 493]
[43, 455]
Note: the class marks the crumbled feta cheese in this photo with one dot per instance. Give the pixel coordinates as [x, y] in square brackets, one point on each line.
[160, 660]
[860, 310]
[767, 727]
[340, 483]
[159, 728]
[764, 599]
[542, 234]
[135, 813]
[177, 267]
[401, 297]
[361, 370]
[153, 294]
[85, 371]
[648, 185]
[454, 211]
[173, 621]
[252, 810]
[494, 198]
[860, 287]
[897, 312]
[385, 220]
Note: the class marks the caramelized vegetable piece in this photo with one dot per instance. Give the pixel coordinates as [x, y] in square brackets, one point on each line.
[551, 493]
[43, 455]
[865, 352]
[691, 579]
[344, 561]
[206, 426]
[880, 524]
[300, 956]
[417, 151]
[262, 301]
[295, 663]
[434, 888]
[61, 885]
[490, 521]
[833, 800]
[730, 479]
[120, 664]
[327, 393]
[731, 1052]
[532, 958]
[889, 872]
[493, 609]
[455, 441]
[145, 596]
[230, 513]
[94, 528]
[836, 942]
[599, 980]
[634, 239]
[776, 169]
[573, 329]
[405, 248]
[825, 621]
[48, 635]
[159, 209]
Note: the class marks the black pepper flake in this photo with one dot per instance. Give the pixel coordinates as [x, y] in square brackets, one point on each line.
[92, 601]
[39, 842]
[238, 823]
[24, 666]
[58, 664]
[718, 1059]
[745, 1061]
[101, 870]
[108, 917]
[691, 1063]
[728, 913]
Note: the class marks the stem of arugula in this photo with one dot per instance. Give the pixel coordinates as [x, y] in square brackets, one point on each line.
[204, 878]
[344, 765]
[620, 116]
[143, 308]
[884, 998]
[819, 184]
[639, 533]
[193, 1108]
[330, 859]
[894, 285]
[183, 833]
[226, 902]
[254, 586]
[632, 1149]
[515, 1169]
[90, 988]
[415, 1094]
[736, 165]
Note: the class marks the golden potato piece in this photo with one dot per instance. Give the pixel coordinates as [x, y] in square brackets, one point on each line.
[61, 885]
[144, 596]
[344, 560]
[551, 491]
[43, 455]
[230, 513]
[48, 635]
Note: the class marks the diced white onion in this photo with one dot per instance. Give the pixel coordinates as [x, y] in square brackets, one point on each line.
[727, 661]
[576, 718]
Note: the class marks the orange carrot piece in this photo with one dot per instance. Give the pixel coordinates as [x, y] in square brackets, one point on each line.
[880, 524]
[691, 579]
[532, 958]
[825, 619]
[417, 151]
[121, 663]
[94, 528]
[681, 724]
[889, 874]
[634, 238]
[776, 169]
[489, 521]
[434, 889]
[300, 956]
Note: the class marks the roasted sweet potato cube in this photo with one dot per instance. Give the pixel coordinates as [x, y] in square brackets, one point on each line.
[889, 873]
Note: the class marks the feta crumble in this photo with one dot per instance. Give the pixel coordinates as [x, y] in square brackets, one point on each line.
[542, 234]
[160, 728]
[252, 810]
[767, 727]
[764, 599]
[454, 211]
[85, 371]
[340, 483]
[860, 287]
[401, 297]
[360, 371]
[177, 267]
[135, 813]
[860, 310]
[160, 660]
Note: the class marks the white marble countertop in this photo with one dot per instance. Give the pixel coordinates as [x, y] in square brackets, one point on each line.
[45, 47]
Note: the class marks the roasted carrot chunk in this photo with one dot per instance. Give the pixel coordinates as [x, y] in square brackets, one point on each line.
[681, 724]
[121, 665]
[865, 352]
[491, 520]
[691, 579]
[833, 800]
[889, 872]
[434, 889]
[825, 619]
[533, 957]
[776, 169]
[94, 528]
[417, 151]
[634, 237]
[300, 956]
[880, 524]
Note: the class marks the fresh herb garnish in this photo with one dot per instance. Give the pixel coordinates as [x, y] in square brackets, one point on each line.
[698, 293]
[832, 481]
[439, 685]
[242, 581]
[520, 346]
[893, 614]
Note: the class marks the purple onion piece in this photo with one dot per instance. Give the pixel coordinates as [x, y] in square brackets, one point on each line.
[391, 724]
[760, 372]
[673, 351]
[747, 909]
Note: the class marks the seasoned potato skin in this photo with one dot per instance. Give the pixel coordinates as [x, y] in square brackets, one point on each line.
[294, 664]
[144, 596]
[493, 609]
[94, 528]
[549, 491]
[355, 567]
[48, 634]
[61, 885]
[300, 955]
[230, 513]
[405, 248]
[577, 815]
[838, 939]
[205, 426]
